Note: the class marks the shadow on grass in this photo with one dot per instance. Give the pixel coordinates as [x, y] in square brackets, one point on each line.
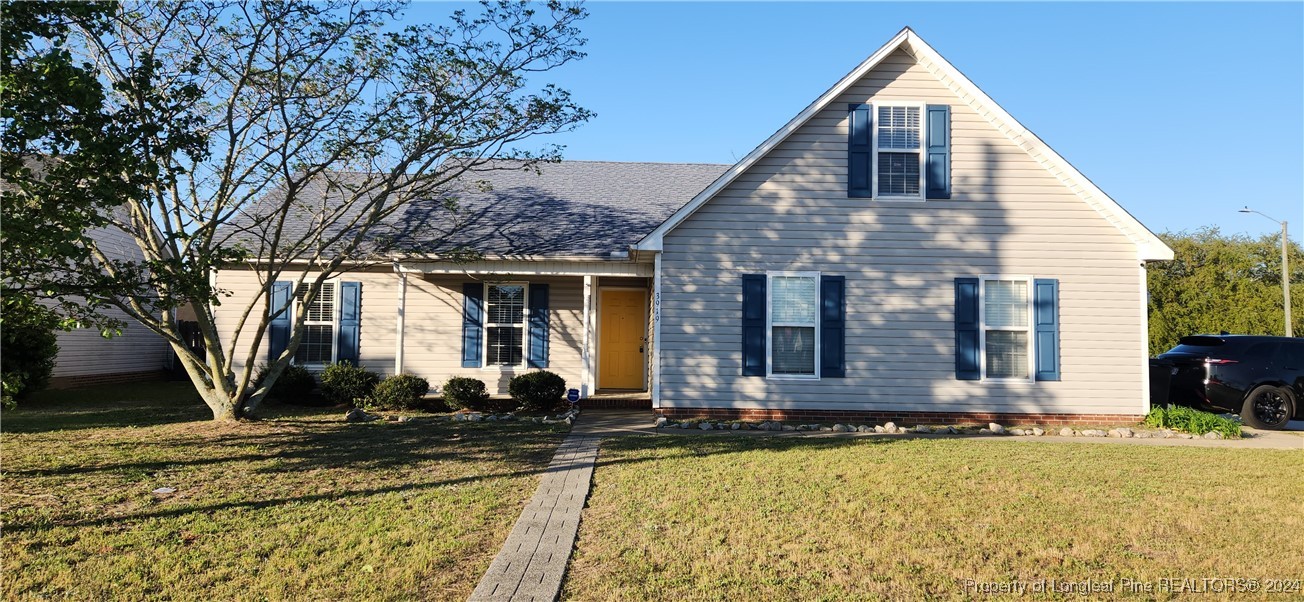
[132, 404]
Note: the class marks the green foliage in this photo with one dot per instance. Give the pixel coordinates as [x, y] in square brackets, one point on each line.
[539, 391]
[1192, 421]
[465, 393]
[343, 382]
[29, 346]
[295, 385]
[1218, 282]
[398, 392]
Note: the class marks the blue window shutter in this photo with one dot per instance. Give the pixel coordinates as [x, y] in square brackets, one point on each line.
[278, 331]
[966, 330]
[347, 339]
[1046, 323]
[938, 136]
[753, 324]
[859, 151]
[472, 328]
[538, 326]
[833, 311]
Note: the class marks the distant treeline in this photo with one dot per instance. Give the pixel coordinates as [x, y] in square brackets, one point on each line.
[1222, 282]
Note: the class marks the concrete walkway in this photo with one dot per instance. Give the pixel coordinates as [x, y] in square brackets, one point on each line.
[533, 560]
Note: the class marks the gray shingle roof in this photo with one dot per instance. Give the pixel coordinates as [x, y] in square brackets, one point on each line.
[571, 208]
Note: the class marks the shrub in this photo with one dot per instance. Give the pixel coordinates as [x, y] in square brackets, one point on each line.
[1192, 421]
[399, 392]
[342, 383]
[295, 384]
[540, 391]
[30, 346]
[465, 393]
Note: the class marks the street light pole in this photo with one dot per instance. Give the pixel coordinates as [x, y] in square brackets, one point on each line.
[1285, 267]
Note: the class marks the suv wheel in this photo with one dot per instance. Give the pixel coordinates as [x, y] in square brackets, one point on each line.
[1268, 407]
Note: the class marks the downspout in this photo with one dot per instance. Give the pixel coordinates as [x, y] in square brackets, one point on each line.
[586, 357]
[398, 324]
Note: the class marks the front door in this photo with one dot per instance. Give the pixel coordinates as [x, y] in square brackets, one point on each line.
[621, 327]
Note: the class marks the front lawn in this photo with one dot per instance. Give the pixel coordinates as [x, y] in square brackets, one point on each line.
[297, 506]
[707, 518]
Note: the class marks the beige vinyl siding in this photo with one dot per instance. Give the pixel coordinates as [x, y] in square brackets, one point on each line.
[432, 342]
[83, 352]
[433, 330]
[1007, 216]
[378, 317]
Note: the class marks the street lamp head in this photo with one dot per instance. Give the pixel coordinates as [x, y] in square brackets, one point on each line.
[1245, 209]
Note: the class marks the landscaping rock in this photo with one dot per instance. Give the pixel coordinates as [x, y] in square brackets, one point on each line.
[890, 427]
[1185, 436]
[661, 421]
[1094, 433]
[404, 419]
[1018, 432]
[1037, 432]
[984, 431]
[826, 429]
[788, 427]
[1213, 435]
[996, 429]
[923, 430]
[736, 426]
[1167, 433]
[1143, 434]
[1066, 432]
[165, 490]
[491, 418]
[840, 428]
[879, 429]
[950, 430]
[706, 426]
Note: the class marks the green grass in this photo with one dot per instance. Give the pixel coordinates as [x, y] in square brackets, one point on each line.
[687, 518]
[296, 506]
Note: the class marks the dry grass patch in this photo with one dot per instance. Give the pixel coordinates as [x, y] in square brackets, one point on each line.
[685, 518]
[298, 506]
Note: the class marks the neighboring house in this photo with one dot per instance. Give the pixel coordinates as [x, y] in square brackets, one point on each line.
[901, 249]
[86, 358]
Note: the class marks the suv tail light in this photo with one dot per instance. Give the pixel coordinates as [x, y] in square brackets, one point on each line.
[1218, 362]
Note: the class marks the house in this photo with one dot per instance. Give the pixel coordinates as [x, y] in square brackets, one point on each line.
[901, 249]
[137, 353]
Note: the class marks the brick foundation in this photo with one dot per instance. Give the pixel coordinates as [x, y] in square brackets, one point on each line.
[91, 380]
[901, 418]
[624, 403]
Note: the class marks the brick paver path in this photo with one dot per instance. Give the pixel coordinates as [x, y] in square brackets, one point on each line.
[533, 559]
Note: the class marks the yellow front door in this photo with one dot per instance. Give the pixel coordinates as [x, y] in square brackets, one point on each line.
[621, 329]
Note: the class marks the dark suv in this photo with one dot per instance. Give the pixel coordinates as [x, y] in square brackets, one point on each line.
[1261, 378]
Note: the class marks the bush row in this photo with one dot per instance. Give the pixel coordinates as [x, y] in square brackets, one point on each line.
[343, 383]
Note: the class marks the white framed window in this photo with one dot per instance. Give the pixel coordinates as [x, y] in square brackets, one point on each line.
[898, 131]
[792, 339]
[321, 322]
[1005, 328]
[504, 323]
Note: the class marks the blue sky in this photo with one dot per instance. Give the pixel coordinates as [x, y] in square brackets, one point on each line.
[1182, 112]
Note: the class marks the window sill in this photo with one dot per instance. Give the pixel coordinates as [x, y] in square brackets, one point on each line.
[791, 377]
[1009, 381]
[900, 199]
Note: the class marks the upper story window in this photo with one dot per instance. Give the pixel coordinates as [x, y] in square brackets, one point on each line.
[321, 320]
[505, 324]
[794, 324]
[897, 154]
[899, 151]
[1007, 328]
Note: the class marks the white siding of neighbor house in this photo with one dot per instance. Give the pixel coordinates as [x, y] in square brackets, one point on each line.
[1007, 215]
[83, 352]
[432, 341]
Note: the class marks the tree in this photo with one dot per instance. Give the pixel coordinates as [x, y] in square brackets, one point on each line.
[1218, 282]
[247, 117]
